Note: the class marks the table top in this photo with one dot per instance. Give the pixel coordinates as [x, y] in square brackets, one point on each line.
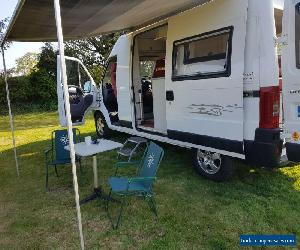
[82, 149]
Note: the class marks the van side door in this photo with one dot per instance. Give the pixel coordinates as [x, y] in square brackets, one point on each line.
[291, 77]
[122, 54]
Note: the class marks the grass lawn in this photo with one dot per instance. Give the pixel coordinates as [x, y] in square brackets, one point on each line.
[194, 213]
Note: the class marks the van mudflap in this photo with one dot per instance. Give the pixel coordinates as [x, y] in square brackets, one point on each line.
[293, 151]
[266, 148]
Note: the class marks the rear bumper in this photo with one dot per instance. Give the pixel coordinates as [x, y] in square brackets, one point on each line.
[293, 151]
[266, 148]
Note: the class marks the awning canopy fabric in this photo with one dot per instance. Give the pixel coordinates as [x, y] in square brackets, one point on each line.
[34, 20]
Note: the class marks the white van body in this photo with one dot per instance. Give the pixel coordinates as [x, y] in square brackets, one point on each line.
[215, 84]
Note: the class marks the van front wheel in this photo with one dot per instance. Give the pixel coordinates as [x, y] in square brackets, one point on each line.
[102, 129]
[213, 166]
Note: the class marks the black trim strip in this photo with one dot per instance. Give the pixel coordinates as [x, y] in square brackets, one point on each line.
[208, 141]
[252, 93]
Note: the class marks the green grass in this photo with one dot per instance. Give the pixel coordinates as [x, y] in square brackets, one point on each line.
[194, 213]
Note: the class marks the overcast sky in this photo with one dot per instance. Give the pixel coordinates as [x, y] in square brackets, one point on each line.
[17, 49]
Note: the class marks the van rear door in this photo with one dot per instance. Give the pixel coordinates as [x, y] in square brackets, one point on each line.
[291, 77]
[82, 91]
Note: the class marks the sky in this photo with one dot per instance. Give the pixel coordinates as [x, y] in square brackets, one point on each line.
[17, 49]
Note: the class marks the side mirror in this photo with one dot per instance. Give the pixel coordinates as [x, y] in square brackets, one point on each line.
[87, 87]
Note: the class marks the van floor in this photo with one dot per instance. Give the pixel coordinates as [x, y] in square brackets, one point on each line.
[148, 123]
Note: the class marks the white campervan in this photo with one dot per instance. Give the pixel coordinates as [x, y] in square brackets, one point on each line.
[209, 79]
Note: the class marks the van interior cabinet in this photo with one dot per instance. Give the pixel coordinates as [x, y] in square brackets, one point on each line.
[159, 104]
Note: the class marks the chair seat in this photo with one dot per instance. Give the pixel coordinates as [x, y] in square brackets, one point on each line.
[63, 161]
[60, 161]
[119, 184]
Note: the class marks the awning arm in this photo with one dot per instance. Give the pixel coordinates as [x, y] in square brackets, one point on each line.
[68, 113]
[11, 121]
[11, 22]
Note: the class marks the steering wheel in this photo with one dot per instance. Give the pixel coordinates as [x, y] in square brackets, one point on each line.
[75, 94]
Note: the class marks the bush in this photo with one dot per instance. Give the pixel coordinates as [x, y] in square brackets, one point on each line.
[43, 86]
[30, 93]
[19, 88]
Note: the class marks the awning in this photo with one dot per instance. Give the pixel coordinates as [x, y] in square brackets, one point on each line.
[34, 20]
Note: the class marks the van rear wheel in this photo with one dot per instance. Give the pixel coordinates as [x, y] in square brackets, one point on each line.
[102, 129]
[213, 166]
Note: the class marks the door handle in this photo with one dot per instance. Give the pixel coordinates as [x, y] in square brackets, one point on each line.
[170, 95]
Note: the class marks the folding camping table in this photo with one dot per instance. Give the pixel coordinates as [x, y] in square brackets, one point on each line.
[82, 149]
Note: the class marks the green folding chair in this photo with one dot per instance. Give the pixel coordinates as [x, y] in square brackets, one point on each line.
[59, 155]
[141, 185]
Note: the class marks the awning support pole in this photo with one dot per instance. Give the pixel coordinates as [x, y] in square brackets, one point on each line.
[68, 113]
[11, 121]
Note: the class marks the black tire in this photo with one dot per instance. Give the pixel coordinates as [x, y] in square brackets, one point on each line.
[100, 121]
[225, 170]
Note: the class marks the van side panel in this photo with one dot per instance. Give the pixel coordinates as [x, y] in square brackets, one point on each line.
[262, 146]
[268, 63]
[209, 109]
[261, 66]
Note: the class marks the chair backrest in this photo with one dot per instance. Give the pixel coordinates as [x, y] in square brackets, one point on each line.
[151, 162]
[60, 140]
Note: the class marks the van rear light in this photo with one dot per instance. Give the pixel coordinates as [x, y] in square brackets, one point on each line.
[269, 107]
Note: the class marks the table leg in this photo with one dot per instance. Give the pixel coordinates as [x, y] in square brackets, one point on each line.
[97, 192]
[95, 171]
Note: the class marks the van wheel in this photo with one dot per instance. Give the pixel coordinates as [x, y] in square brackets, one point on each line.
[213, 166]
[102, 129]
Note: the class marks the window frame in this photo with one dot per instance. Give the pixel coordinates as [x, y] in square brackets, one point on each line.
[185, 41]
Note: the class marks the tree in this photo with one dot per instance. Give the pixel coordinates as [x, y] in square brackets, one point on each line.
[26, 64]
[93, 52]
[47, 59]
[43, 78]
[3, 25]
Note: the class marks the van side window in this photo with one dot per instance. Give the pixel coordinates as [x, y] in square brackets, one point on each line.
[206, 55]
[297, 35]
